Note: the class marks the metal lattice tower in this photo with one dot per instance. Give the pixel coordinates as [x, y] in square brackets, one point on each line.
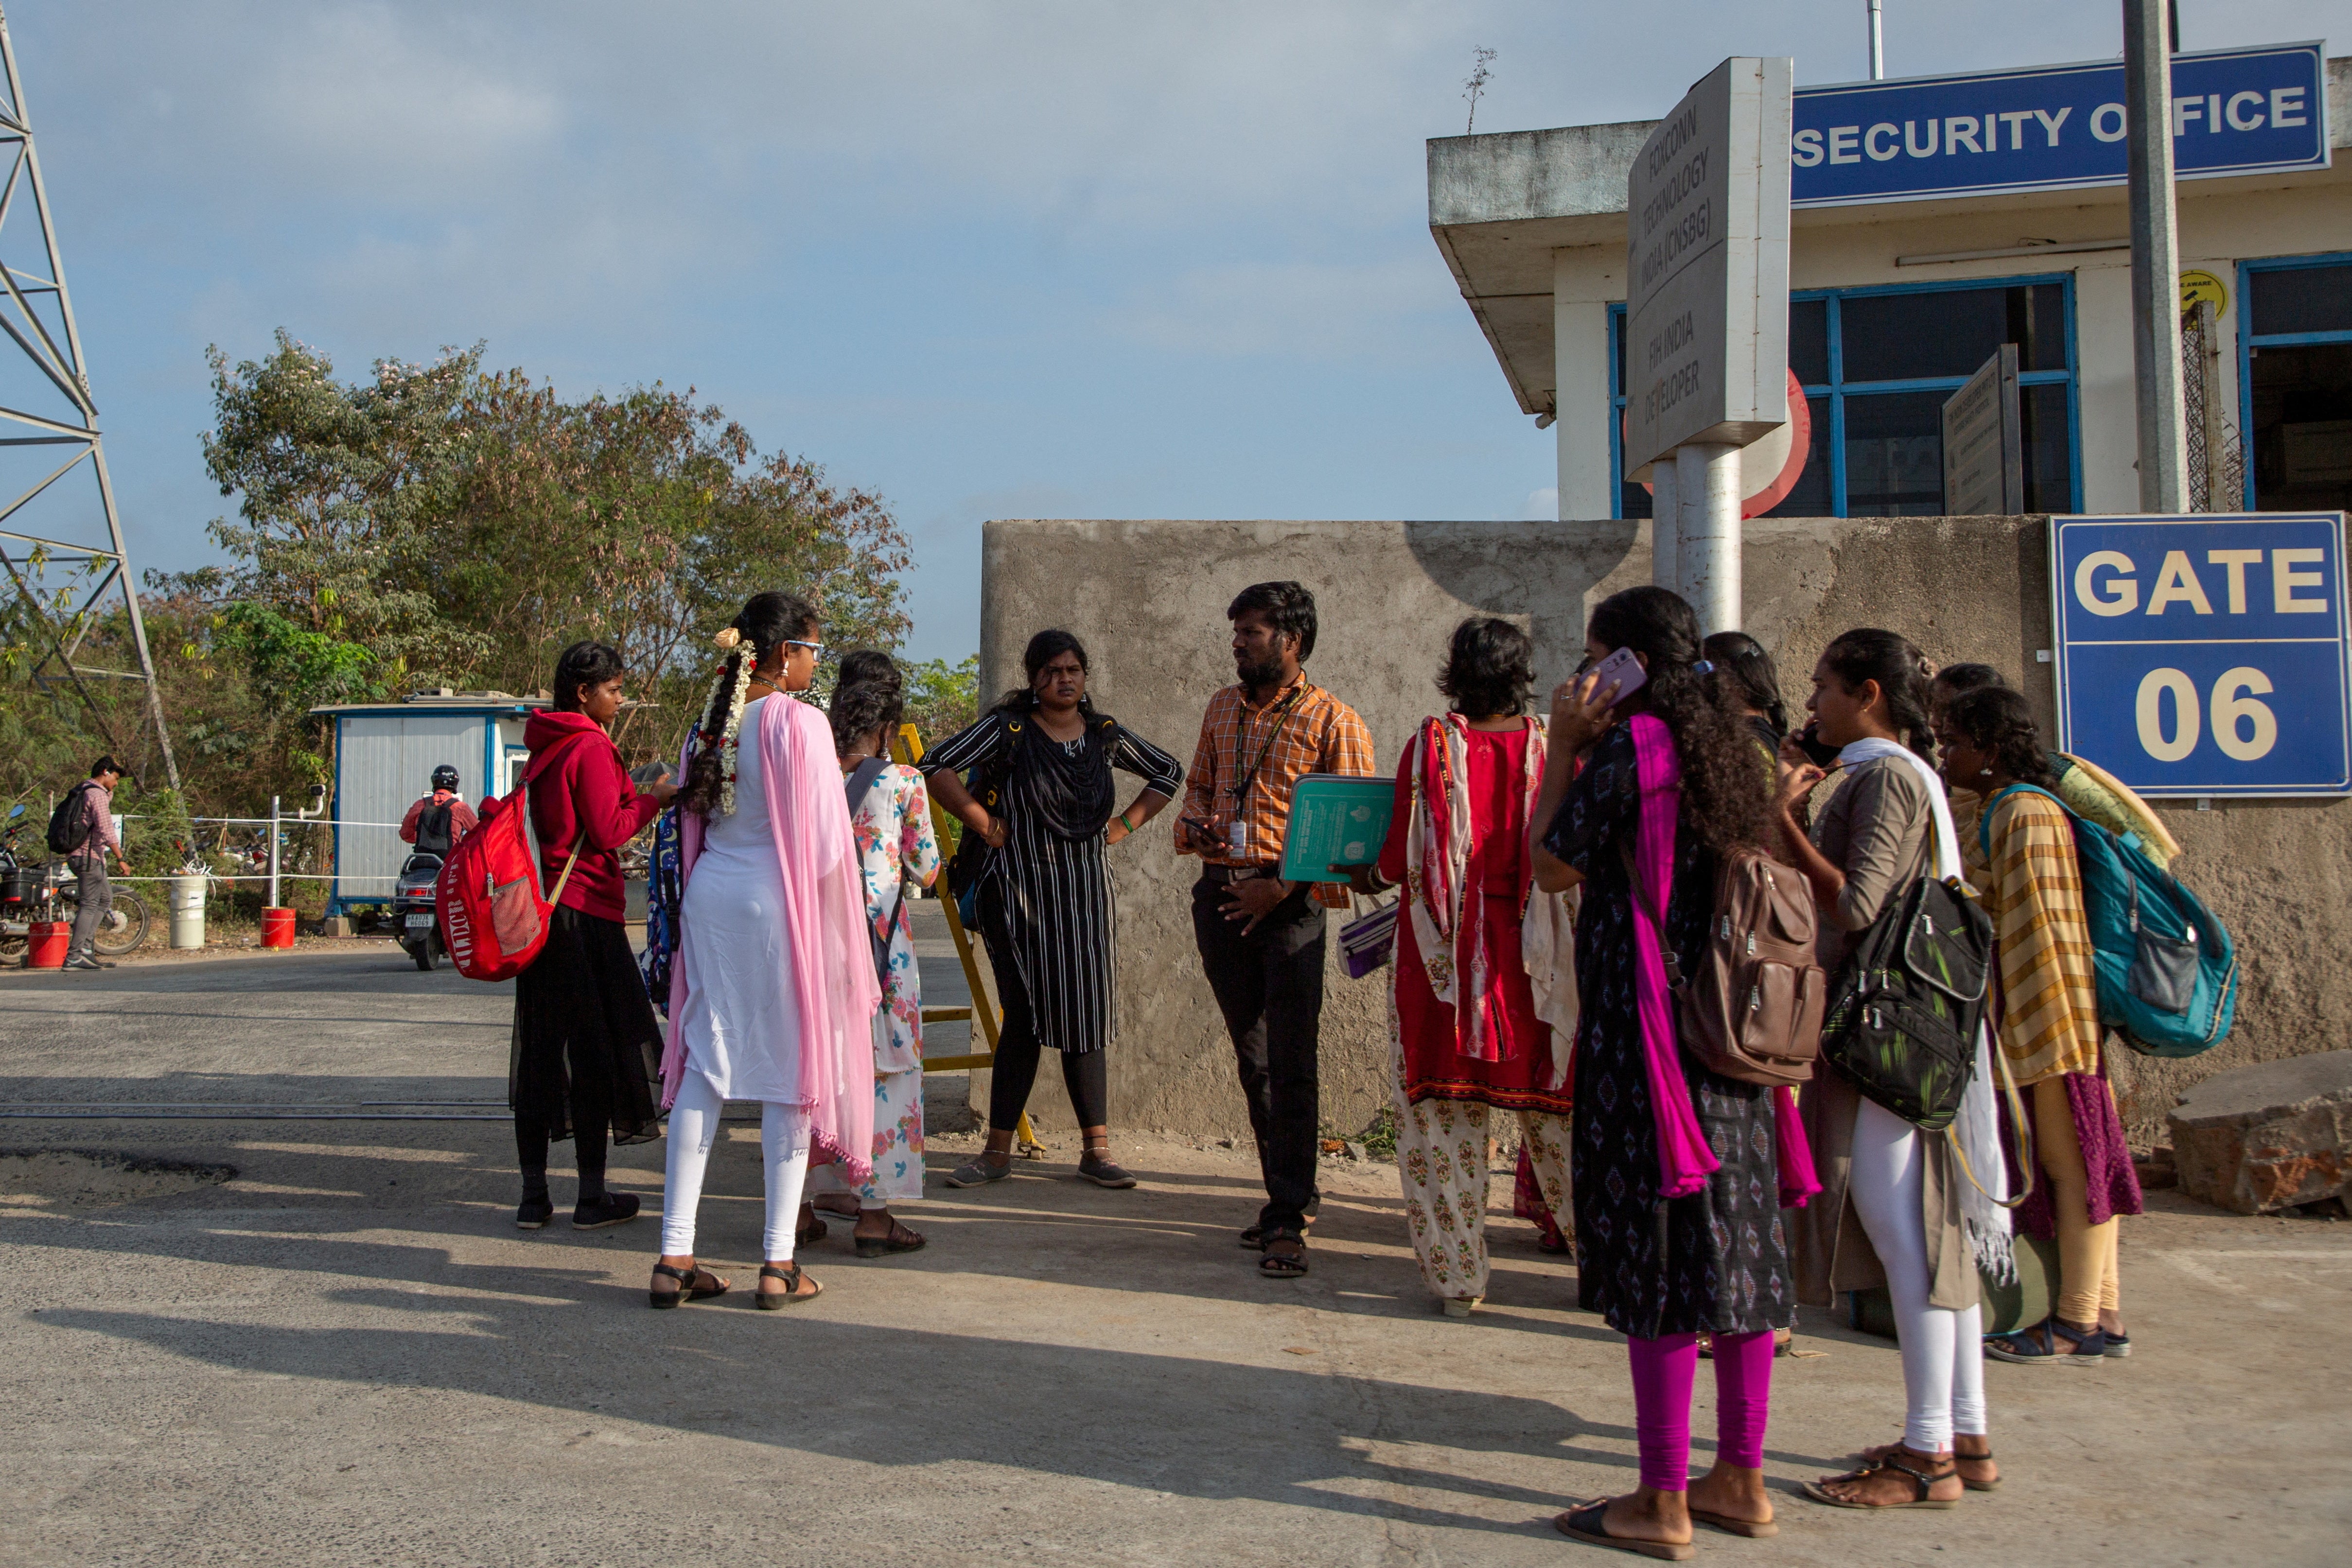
[45, 415]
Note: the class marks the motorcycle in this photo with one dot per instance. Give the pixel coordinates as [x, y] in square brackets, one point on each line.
[415, 910]
[31, 893]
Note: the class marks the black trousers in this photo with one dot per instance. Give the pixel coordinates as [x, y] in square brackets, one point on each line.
[1269, 985]
[1013, 1073]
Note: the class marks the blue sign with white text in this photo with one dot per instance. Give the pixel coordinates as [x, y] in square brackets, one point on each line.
[2205, 655]
[2234, 111]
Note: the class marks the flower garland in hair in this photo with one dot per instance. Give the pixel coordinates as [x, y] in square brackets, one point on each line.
[735, 673]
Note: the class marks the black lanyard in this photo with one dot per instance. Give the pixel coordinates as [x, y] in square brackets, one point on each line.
[1241, 717]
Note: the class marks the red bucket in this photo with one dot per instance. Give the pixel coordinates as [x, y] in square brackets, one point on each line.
[47, 945]
[277, 928]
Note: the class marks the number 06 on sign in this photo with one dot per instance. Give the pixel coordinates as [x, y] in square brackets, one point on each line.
[2205, 655]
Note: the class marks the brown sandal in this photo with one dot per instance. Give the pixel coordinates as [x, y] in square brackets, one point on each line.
[689, 1286]
[1922, 1482]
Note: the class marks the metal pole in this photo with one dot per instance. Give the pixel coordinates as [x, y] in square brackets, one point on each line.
[2155, 260]
[1665, 525]
[273, 853]
[1708, 486]
[1877, 45]
[2217, 497]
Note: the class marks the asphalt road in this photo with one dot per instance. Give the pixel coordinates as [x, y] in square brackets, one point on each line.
[346, 1354]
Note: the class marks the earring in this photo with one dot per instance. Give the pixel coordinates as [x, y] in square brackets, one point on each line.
[1984, 772]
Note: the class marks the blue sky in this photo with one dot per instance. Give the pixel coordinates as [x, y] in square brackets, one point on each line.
[990, 260]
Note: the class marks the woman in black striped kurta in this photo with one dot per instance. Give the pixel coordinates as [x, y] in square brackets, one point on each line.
[1044, 902]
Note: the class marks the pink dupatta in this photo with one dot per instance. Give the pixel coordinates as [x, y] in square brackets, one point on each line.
[1685, 1160]
[834, 992]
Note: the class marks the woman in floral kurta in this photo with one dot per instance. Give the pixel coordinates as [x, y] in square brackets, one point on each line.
[895, 845]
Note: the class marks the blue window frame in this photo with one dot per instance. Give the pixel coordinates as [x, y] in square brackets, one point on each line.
[1876, 365]
[2295, 381]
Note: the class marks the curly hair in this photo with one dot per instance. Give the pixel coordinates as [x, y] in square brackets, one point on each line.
[1288, 607]
[1868, 653]
[1722, 790]
[1746, 673]
[1489, 668]
[767, 621]
[585, 663]
[1999, 721]
[1044, 648]
[867, 664]
[861, 707]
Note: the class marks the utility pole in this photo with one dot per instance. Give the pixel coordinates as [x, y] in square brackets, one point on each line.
[2156, 258]
[1877, 44]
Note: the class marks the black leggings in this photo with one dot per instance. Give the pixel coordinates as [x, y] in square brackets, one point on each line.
[588, 1153]
[1014, 1072]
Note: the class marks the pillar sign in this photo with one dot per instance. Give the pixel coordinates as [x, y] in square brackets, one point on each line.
[1707, 266]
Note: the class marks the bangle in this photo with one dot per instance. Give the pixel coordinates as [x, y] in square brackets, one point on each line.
[1124, 823]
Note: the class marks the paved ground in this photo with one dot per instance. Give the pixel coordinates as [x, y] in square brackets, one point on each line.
[347, 1354]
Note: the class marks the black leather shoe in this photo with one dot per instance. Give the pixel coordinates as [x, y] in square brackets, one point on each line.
[533, 1213]
[612, 1209]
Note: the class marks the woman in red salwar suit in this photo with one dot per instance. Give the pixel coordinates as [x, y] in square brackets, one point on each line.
[1473, 1031]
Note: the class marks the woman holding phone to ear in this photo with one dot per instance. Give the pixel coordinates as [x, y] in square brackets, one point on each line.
[1679, 1174]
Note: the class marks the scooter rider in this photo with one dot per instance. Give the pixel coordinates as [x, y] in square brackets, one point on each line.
[439, 819]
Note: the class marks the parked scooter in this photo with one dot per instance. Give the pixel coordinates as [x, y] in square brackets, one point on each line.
[413, 910]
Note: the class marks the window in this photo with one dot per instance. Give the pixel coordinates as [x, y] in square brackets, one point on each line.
[2295, 382]
[1877, 365]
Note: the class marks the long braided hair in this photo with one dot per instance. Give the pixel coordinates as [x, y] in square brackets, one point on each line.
[766, 622]
[1722, 790]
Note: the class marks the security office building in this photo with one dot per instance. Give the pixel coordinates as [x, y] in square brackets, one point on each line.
[1935, 219]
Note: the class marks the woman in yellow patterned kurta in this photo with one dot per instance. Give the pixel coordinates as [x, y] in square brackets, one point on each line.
[2050, 1032]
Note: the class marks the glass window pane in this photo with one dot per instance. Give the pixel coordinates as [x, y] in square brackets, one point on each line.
[2303, 428]
[1632, 500]
[2301, 300]
[2049, 449]
[1811, 497]
[1617, 347]
[1895, 454]
[1946, 332]
[1809, 344]
[2037, 325]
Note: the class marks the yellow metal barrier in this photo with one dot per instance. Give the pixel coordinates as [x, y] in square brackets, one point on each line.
[909, 750]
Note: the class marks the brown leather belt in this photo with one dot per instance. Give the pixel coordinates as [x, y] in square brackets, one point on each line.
[1236, 873]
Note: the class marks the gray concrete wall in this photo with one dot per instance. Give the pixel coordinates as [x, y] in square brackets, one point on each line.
[1149, 599]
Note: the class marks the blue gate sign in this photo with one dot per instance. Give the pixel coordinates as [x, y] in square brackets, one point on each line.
[2048, 128]
[2205, 655]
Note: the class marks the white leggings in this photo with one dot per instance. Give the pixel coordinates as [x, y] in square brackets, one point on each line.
[693, 1128]
[1943, 1352]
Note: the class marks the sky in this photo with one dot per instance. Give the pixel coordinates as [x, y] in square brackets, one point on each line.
[988, 260]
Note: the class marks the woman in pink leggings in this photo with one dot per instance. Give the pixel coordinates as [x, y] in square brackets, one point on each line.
[1679, 1175]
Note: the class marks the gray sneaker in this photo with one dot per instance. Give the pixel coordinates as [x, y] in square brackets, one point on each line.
[979, 1171]
[84, 961]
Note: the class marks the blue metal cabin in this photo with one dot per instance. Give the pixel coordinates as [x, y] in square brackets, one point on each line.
[384, 756]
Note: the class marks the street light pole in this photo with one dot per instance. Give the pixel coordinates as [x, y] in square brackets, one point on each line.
[2156, 258]
[1877, 44]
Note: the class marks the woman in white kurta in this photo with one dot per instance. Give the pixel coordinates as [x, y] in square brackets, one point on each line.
[772, 993]
[891, 815]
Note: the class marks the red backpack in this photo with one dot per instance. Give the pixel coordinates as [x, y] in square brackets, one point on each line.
[492, 916]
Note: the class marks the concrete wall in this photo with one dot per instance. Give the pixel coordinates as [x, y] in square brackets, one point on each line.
[1149, 599]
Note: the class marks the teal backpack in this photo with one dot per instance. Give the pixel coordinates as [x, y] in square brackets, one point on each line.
[2167, 972]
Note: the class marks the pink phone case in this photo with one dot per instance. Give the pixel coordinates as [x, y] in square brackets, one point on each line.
[1621, 670]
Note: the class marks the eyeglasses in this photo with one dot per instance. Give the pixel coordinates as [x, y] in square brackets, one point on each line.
[815, 648]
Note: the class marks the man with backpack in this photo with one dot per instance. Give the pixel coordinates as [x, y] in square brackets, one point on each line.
[440, 819]
[82, 830]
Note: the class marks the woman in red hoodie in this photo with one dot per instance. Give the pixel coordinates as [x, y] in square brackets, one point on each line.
[586, 1049]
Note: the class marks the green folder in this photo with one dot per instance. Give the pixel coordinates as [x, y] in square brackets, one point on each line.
[1336, 818]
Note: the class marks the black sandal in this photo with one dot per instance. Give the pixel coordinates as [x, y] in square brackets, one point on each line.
[1922, 1482]
[688, 1290]
[790, 1296]
[1588, 1523]
[1280, 1265]
[1872, 1455]
[890, 1241]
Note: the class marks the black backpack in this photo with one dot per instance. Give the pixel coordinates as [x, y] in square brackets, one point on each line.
[432, 830]
[1905, 1007]
[69, 823]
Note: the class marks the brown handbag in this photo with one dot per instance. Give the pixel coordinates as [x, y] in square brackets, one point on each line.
[1753, 1011]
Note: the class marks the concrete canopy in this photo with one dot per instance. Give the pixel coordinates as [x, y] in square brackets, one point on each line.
[1501, 203]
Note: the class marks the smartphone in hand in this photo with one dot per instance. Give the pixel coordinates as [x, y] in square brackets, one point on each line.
[1621, 670]
[1808, 741]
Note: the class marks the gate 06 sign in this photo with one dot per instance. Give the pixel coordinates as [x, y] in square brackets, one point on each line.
[2205, 655]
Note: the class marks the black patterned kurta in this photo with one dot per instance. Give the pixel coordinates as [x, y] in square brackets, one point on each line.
[1714, 1262]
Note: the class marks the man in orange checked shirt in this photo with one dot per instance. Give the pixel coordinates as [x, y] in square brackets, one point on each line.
[1261, 938]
